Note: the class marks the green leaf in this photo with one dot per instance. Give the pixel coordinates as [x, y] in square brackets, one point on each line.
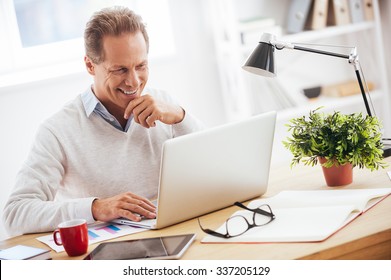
[339, 137]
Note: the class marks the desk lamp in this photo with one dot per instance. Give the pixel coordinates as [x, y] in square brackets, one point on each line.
[261, 62]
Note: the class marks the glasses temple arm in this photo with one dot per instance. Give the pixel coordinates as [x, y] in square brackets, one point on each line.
[256, 210]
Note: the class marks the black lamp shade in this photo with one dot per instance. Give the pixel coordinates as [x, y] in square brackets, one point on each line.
[261, 61]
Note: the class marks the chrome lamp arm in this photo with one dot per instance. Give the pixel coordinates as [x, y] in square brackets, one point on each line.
[352, 58]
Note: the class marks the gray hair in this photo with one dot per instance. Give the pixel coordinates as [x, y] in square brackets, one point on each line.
[112, 21]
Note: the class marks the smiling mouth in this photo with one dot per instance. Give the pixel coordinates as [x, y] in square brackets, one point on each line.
[127, 92]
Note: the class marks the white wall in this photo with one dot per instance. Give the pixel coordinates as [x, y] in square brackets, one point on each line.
[190, 76]
[385, 13]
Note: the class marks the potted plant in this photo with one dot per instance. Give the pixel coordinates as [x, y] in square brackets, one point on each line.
[338, 141]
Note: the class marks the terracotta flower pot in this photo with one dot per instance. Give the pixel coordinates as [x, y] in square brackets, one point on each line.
[340, 175]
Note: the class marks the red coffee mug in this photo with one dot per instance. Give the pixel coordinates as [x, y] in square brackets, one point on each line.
[74, 237]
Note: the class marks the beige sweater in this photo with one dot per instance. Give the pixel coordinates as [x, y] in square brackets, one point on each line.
[76, 158]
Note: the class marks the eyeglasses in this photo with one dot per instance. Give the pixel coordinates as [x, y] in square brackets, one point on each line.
[238, 224]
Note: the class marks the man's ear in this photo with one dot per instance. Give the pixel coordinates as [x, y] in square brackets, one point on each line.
[89, 65]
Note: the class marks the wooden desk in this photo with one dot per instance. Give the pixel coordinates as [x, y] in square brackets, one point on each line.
[367, 237]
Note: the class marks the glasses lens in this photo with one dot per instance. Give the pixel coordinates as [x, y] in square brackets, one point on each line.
[262, 219]
[236, 225]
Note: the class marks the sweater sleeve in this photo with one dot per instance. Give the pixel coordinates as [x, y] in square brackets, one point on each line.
[188, 125]
[32, 206]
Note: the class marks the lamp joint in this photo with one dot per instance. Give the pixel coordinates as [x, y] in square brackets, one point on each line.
[353, 58]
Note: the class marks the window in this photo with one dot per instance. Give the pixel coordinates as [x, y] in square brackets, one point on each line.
[48, 21]
[41, 33]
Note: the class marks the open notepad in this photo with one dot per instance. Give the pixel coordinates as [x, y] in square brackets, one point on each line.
[306, 216]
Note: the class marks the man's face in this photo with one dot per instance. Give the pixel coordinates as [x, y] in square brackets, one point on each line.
[122, 76]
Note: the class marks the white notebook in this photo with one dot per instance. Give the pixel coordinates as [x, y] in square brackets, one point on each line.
[306, 216]
[22, 252]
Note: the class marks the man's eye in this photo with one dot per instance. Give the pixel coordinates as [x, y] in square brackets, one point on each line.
[120, 71]
[142, 66]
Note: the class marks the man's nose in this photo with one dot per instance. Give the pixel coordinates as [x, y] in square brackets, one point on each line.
[132, 79]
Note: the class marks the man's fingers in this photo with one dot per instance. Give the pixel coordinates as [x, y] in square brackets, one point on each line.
[139, 206]
[125, 205]
[146, 111]
[133, 104]
[151, 120]
[146, 114]
[143, 116]
[133, 209]
[129, 215]
[143, 199]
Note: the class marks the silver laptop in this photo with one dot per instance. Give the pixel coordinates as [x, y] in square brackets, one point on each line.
[211, 169]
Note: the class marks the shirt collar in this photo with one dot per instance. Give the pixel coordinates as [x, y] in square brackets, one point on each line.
[89, 101]
[92, 104]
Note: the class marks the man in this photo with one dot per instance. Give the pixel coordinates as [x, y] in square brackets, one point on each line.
[99, 157]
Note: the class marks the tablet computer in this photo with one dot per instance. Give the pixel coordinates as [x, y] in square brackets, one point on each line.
[165, 247]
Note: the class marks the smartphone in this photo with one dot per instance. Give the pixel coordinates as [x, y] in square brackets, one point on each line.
[165, 247]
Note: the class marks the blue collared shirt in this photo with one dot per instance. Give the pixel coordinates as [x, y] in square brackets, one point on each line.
[92, 104]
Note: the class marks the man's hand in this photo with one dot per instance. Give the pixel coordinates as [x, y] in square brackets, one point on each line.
[146, 111]
[126, 205]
